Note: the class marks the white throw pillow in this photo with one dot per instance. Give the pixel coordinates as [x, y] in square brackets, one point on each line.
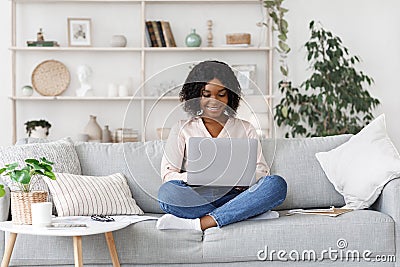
[79, 195]
[361, 167]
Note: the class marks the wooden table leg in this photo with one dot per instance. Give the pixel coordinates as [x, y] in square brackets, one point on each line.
[8, 250]
[78, 251]
[112, 249]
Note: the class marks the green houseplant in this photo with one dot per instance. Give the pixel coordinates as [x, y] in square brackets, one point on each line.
[25, 178]
[280, 25]
[333, 99]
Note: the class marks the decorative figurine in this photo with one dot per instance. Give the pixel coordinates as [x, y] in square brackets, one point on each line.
[40, 36]
[84, 75]
[210, 35]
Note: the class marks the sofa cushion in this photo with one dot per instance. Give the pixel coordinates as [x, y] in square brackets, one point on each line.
[361, 230]
[139, 162]
[374, 162]
[295, 161]
[80, 195]
[61, 152]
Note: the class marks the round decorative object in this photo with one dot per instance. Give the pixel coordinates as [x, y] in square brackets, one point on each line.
[118, 41]
[193, 39]
[50, 78]
[27, 90]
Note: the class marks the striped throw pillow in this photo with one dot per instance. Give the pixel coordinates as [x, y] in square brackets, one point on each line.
[79, 195]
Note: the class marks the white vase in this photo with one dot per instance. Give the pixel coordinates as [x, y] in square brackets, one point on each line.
[93, 130]
[39, 132]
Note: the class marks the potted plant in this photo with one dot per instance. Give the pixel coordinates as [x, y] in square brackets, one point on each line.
[37, 128]
[280, 25]
[25, 178]
[333, 99]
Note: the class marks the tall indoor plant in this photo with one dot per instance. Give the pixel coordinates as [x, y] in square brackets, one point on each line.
[333, 100]
[25, 178]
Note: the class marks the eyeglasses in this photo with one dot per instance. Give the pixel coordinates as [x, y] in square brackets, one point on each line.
[102, 218]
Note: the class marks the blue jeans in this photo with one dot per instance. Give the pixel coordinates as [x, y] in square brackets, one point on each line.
[226, 206]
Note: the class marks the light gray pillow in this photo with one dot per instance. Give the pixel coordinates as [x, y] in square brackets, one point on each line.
[61, 152]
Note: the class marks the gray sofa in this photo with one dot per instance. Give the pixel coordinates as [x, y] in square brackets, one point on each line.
[240, 244]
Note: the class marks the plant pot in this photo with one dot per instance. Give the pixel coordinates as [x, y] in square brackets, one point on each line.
[21, 205]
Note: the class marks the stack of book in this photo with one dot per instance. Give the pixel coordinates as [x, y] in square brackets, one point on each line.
[159, 34]
[123, 135]
[42, 43]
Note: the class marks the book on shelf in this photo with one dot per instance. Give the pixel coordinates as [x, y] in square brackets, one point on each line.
[151, 37]
[162, 37]
[169, 37]
[332, 211]
[157, 34]
[42, 43]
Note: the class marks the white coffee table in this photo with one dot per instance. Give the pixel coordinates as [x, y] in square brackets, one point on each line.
[92, 228]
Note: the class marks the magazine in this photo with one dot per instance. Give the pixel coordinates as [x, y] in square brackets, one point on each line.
[332, 211]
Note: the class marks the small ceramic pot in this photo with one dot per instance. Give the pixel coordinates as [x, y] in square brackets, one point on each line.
[27, 90]
[118, 41]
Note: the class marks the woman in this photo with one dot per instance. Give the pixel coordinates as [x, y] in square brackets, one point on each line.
[211, 95]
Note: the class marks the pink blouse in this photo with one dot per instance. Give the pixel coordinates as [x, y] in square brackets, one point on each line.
[173, 165]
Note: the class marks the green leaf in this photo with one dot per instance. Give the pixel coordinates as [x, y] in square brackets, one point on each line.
[51, 175]
[46, 161]
[283, 46]
[21, 176]
[2, 191]
[32, 161]
[284, 111]
[284, 71]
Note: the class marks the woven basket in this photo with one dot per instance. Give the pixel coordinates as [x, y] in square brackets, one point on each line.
[21, 205]
[238, 38]
[50, 78]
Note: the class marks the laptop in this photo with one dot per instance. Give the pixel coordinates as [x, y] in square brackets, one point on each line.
[221, 161]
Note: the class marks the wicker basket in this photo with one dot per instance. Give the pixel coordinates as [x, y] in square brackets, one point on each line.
[238, 38]
[21, 205]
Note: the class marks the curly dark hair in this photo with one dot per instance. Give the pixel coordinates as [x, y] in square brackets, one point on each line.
[197, 79]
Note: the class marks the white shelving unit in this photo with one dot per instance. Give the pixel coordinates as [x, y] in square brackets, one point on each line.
[143, 56]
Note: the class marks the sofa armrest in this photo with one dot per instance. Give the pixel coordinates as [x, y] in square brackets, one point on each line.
[389, 200]
[5, 205]
[389, 203]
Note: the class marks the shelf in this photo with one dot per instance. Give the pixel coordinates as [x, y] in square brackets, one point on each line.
[105, 98]
[78, 49]
[138, 49]
[208, 49]
[136, 1]
[76, 1]
[89, 98]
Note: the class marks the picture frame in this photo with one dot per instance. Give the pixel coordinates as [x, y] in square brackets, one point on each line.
[246, 75]
[79, 32]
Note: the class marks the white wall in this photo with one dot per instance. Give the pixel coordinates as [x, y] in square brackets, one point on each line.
[5, 76]
[368, 29]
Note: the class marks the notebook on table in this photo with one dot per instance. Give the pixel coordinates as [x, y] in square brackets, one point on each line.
[225, 162]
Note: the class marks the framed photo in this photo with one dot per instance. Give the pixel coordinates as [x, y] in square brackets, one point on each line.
[246, 75]
[79, 32]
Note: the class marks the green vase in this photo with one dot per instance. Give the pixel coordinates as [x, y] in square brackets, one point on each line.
[193, 39]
